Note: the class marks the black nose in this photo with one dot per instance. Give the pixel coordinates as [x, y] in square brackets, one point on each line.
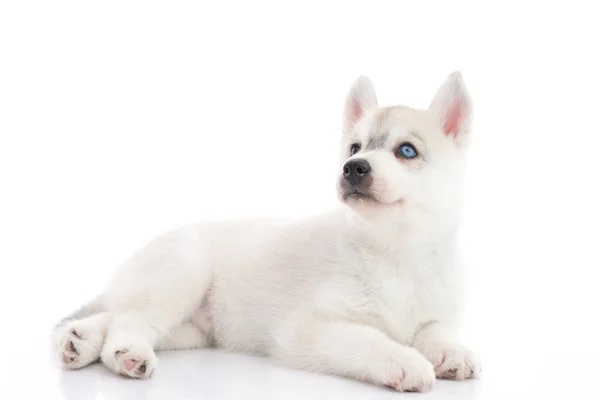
[356, 170]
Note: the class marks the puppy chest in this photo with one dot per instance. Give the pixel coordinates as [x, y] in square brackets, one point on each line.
[404, 304]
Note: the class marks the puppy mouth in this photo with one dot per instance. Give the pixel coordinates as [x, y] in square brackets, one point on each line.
[359, 195]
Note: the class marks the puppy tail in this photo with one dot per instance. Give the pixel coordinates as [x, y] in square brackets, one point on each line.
[91, 308]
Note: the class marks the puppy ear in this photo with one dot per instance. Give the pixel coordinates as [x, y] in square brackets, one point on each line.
[451, 107]
[360, 99]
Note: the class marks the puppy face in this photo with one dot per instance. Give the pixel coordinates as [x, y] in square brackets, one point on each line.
[401, 161]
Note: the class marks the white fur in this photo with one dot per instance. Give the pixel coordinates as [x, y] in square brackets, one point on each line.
[369, 291]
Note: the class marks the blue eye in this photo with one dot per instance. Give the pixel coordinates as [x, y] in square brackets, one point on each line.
[406, 150]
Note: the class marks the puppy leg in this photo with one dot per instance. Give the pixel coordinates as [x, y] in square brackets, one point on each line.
[354, 351]
[157, 290]
[133, 336]
[185, 336]
[128, 349]
[450, 359]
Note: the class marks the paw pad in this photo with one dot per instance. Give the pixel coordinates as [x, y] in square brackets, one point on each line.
[67, 359]
[78, 349]
[134, 366]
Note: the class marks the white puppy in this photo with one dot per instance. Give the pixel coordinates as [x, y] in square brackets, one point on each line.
[370, 291]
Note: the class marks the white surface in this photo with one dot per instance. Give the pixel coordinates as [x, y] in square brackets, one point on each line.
[510, 372]
[119, 120]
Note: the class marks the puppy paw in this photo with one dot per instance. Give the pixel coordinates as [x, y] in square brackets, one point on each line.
[452, 361]
[412, 373]
[79, 345]
[132, 361]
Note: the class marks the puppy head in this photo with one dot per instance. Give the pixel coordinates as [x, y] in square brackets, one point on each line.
[401, 162]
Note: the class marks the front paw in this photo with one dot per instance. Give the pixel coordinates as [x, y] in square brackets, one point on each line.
[452, 360]
[409, 372]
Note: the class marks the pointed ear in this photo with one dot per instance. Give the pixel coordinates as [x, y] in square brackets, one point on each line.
[452, 108]
[360, 99]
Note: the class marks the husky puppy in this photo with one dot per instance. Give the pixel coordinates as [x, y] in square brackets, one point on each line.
[369, 291]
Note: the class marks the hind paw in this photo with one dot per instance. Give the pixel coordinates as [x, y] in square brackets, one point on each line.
[135, 362]
[79, 346]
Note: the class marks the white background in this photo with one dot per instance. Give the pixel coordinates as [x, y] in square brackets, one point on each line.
[120, 119]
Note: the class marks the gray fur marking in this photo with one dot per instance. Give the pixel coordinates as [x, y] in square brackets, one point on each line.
[377, 141]
[378, 137]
